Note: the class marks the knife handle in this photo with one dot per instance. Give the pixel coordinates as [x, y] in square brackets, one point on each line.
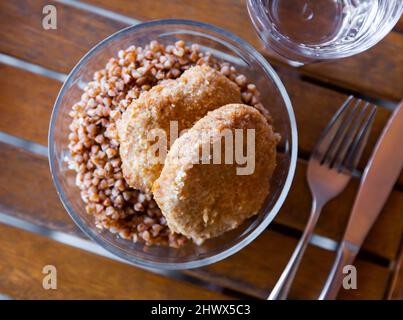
[346, 253]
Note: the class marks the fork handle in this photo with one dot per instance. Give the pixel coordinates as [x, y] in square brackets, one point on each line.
[346, 253]
[283, 285]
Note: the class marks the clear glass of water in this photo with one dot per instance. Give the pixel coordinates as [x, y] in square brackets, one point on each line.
[305, 31]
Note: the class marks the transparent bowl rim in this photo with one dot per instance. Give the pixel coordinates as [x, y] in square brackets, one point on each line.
[258, 229]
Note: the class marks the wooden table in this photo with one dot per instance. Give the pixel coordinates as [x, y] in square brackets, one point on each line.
[35, 230]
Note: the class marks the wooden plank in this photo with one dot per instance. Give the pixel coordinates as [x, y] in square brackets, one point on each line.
[26, 103]
[375, 72]
[22, 34]
[384, 237]
[256, 269]
[25, 178]
[27, 191]
[60, 49]
[23, 256]
[395, 291]
[313, 106]
[80, 274]
[21, 166]
[242, 260]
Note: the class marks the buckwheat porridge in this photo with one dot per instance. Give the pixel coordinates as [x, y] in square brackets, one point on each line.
[94, 140]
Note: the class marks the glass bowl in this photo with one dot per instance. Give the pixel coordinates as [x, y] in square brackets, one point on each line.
[222, 45]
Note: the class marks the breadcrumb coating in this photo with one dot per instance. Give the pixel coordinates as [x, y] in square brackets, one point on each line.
[202, 201]
[185, 100]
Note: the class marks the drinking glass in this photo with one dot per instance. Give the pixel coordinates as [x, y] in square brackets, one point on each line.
[305, 31]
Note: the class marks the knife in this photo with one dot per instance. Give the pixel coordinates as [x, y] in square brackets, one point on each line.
[378, 179]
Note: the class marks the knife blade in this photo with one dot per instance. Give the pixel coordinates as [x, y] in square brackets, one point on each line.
[379, 177]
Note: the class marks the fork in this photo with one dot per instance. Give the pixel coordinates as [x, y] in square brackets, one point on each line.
[330, 167]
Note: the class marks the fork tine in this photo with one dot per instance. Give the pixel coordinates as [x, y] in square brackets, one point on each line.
[338, 139]
[349, 137]
[351, 160]
[329, 132]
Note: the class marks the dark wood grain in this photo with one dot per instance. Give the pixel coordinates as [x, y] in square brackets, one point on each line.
[335, 214]
[26, 103]
[22, 34]
[30, 178]
[20, 199]
[27, 191]
[395, 290]
[313, 105]
[376, 72]
[80, 274]
[25, 108]
[265, 257]
[256, 269]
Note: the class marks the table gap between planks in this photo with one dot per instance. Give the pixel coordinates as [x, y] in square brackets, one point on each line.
[28, 199]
